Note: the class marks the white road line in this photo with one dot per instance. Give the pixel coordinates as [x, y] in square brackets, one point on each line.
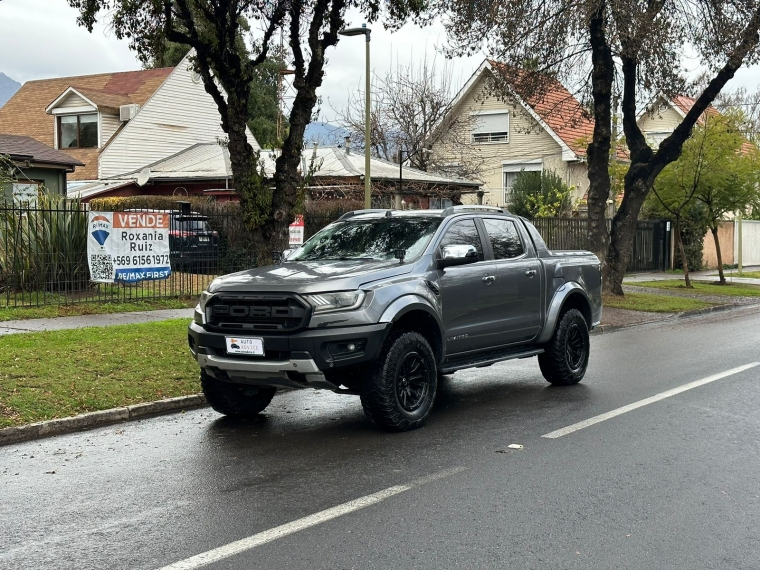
[233, 548]
[647, 401]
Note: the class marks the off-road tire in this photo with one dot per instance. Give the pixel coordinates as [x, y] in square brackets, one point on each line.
[236, 400]
[396, 395]
[565, 357]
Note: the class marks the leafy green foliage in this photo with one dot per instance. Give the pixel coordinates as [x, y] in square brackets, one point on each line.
[540, 195]
[44, 248]
[263, 104]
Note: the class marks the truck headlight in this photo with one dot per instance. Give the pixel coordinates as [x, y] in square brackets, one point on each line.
[205, 298]
[335, 301]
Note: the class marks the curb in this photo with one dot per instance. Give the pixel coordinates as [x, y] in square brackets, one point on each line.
[601, 329]
[91, 420]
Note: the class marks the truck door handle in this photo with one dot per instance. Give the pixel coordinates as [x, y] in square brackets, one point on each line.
[530, 273]
[488, 279]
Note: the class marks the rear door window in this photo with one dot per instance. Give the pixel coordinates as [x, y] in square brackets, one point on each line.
[504, 237]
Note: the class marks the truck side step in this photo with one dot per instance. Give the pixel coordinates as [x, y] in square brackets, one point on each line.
[487, 359]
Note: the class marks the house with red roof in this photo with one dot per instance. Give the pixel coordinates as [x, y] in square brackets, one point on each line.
[662, 116]
[116, 123]
[511, 133]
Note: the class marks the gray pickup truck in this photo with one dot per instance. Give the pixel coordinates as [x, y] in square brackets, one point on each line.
[381, 302]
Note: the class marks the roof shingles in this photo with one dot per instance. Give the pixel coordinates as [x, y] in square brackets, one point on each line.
[560, 111]
[17, 146]
[24, 113]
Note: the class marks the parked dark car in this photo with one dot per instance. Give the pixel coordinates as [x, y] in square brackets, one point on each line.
[193, 245]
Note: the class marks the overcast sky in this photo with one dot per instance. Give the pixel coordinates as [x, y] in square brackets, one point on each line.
[40, 39]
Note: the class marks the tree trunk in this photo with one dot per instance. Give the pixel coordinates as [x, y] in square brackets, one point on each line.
[721, 275]
[598, 153]
[623, 234]
[682, 250]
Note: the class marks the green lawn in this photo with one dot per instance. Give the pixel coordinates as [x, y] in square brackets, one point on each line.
[13, 313]
[63, 373]
[653, 303]
[730, 290]
[747, 274]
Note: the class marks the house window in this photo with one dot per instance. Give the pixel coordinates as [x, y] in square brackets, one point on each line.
[78, 131]
[490, 127]
[510, 172]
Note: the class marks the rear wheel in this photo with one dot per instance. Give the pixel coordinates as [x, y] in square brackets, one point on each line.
[236, 400]
[565, 357]
[400, 390]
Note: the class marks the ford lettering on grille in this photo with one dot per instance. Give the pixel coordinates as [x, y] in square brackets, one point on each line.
[274, 314]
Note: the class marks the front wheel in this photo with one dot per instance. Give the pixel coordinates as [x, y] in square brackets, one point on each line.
[235, 400]
[565, 357]
[400, 391]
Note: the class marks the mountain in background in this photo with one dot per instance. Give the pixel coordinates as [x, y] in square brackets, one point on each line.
[324, 134]
[7, 88]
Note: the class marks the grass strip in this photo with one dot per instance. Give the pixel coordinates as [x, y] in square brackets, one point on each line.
[653, 303]
[57, 374]
[743, 274]
[51, 311]
[700, 288]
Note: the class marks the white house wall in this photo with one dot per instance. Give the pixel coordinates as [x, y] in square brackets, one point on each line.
[179, 114]
[664, 120]
[108, 126]
[527, 141]
[73, 101]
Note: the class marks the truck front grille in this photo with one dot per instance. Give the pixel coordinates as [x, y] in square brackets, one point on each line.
[260, 313]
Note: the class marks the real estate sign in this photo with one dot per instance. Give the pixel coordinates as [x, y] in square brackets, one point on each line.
[296, 231]
[128, 246]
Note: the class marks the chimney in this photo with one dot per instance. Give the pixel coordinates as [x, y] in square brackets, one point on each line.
[348, 145]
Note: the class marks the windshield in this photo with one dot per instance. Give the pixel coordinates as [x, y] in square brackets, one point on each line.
[376, 239]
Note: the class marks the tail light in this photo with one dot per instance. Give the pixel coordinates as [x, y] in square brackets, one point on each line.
[180, 234]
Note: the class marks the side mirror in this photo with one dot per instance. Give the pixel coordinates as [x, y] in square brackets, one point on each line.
[457, 255]
[285, 254]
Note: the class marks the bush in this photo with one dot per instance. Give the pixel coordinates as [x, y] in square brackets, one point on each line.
[540, 195]
[693, 230]
[44, 248]
[121, 203]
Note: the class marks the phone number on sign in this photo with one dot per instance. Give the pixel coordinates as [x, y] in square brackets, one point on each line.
[122, 260]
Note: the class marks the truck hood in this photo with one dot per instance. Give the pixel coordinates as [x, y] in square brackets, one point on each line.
[310, 276]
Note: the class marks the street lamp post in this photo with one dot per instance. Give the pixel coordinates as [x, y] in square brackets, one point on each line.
[365, 31]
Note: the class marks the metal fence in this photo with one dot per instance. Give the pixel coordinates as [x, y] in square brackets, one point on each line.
[43, 252]
[651, 245]
[43, 256]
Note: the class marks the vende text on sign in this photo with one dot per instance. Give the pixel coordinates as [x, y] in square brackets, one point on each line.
[140, 220]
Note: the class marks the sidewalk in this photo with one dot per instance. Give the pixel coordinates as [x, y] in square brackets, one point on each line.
[60, 323]
[708, 275]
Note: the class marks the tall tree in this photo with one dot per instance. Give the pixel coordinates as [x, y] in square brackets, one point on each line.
[729, 171]
[212, 29]
[596, 44]
[263, 105]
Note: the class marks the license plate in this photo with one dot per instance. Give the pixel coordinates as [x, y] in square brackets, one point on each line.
[243, 345]
[203, 239]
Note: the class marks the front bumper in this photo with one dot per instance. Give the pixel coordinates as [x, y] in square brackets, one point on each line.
[297, 360]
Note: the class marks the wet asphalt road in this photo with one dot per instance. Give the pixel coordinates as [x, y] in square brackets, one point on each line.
[675, 484]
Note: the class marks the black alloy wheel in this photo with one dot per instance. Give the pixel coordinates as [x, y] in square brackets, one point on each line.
[575, 347]
[412, 382]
